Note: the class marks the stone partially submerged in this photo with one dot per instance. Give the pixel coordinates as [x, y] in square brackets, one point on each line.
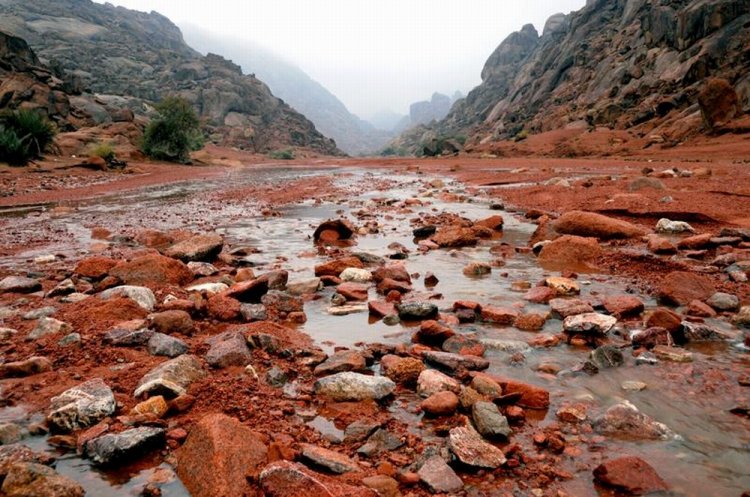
[81, 406]
[624, 420]
[117, 447]
[349, 386]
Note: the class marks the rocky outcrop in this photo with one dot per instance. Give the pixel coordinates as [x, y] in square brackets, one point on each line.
[131, 59]
[622, 64]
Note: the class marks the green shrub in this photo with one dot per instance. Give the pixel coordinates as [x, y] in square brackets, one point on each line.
[103, 150]
[174, 132]
[24, 135]
[284, 154]
[522, 135]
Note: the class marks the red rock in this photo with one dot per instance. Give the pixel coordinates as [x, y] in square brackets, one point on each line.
[248, 291]
[700, 309]
[197, 248]
[624, 305]
[244, 274]
[718, 102]
[532, 396]
[341, 361]
[660, 245]
[570, 252]
[337, 266]
[154, 239]
[499, 315]
[493, 222]
[440, 404]
[333, 230]
[395, 272]
[95, 267]
[540, 295]
[223, 308]
[697, 242]
[402, 370]
[664, 318]
[680, 288]
[220, 457]
[467, 304]
[651, 337]
[388, 285]
[286, 479]
[455, 236]
[353, 291]
[631, 475]
[530, 322]
[174, 321]
[381, 309]
[152, 269]
[432, 332]
[583, 223]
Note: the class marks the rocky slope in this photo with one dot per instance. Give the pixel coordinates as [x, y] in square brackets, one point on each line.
[622, 64]
[290, 83]
[132, 59]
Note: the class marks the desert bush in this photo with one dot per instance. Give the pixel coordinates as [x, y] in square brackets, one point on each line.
[174, 132]
[24, 135]
[103, 150]
[284, 154]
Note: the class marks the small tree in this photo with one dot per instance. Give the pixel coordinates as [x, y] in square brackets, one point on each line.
[24, 135]
[174, 132]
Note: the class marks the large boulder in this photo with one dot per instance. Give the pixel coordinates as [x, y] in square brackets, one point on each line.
[570, 252]
[718, 102]
[28, 479]
[218, 456]
[591, 224]
[114, 448]
[630, 475]
[682, 287]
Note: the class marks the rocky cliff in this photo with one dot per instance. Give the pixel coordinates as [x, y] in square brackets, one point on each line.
[129, 58]
[622, 64]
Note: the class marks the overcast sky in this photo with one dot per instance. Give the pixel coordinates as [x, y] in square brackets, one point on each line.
[374, 55]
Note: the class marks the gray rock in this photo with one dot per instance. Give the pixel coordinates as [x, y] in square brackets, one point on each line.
[647, 358]
[142, 296]
[165, 345]
[439, 477]
[607, 356]
[122, 447]
[489, 421]
[507, 346]
[48, 326]
[253, 312]
[304, 287]
[341, 361]
[202, 268]
[65, 287]
[42, 312]
[197, 248]
[171, 378]
[469, 448]
[19, 284]
[724, 302]
[228, 349]
[453, 362]
[624, 420]
[81, 406]
[10, 433]
[124, 337]
[360, 430]
[349, 386]
[417, 311]
[70, 339]
[276, 377]
[380, 441]
[589, 323]
[701, 332]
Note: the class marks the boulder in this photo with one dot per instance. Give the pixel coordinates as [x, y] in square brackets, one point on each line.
[27, 367]
[439, 477]
[488, 420]
[432, 332]
[353, 291]
[531, 396]
[153, 270]
[630, 475]
[442, 403]
[142, 296]
[81, 406]
[28, 479]
[454, 237]
[431, 382]
[402, 370]
[396, 272]
[123, 447]
[718, 102]
[171, 378]
[337, 266]
[94, 268]
[332, 461]
[341, 361]
[623, 306]
[591, 224]
[625, 421]
[197, 248]
[563, 287]
[164, 345]
[174, 321]
[469, 448]
[48, 326]
[286, 479]
[570, 307]
[228, 349]
[349, 386]
[589, 323]
[19, 284]
[454, 362]
[570, 252]
[219, 456]
[356, 275]
[417, 311]
[724, 302]
[681, 287]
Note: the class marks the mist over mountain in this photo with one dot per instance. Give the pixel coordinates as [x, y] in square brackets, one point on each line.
[290, 83]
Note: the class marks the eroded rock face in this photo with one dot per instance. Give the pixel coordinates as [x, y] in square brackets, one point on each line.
[218, 455]
[81, 406]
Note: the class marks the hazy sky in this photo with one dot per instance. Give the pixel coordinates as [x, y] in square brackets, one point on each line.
[373, 54]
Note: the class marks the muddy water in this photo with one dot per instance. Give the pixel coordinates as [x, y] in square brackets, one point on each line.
[712, 455]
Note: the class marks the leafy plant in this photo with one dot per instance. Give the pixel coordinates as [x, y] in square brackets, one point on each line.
[284, 154]
[174, 132]
[24, 135]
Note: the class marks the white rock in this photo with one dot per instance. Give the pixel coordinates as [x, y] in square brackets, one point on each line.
[356, 275]
[142, 296]
[590, 322]
[208, 288]
[666, 226]
[81, 406]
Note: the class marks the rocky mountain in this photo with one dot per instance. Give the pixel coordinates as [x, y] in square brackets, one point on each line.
[129, 58]
[287, 81]
[622, 64]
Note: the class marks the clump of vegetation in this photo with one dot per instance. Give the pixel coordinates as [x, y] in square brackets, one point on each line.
[522, 135]
[174, 132]
[103, 150]
[284, 154]
[24, 135]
